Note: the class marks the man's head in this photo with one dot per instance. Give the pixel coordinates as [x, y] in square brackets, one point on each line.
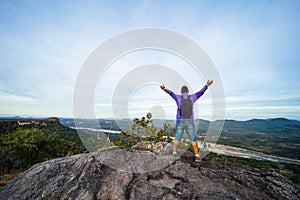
[184, 89]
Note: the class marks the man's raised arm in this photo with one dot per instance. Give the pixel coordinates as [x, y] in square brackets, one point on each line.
[201, 92]
[172, 94]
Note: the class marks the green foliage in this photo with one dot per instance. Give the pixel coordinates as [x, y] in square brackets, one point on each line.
[144, 130]
[290, 171]
[278, 137]
[25, 147]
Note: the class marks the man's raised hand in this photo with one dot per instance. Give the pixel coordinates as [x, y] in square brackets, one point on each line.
[163, 87]
[209, 82]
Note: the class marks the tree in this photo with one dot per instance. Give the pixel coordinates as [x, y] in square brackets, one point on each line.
[144, 130]
[25, 147]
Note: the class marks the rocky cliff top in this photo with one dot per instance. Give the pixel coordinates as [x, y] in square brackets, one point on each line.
[85, 177]
[10, 124]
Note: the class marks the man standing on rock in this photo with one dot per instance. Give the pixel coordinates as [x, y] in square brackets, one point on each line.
[185, 116]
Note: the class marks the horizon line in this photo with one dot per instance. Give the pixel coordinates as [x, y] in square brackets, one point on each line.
[11, 116]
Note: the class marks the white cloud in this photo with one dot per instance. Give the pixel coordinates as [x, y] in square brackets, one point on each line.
[6, 97]
[254, 46]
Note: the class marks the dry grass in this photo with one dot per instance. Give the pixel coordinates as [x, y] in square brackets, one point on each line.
[4, 178]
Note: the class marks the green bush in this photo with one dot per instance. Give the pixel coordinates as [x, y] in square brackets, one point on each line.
[144, 130]
[23, 148]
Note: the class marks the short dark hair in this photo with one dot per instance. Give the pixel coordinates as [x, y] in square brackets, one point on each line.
[184, 89]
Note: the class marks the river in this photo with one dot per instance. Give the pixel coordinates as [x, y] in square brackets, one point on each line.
[223, 149]
[239, 152]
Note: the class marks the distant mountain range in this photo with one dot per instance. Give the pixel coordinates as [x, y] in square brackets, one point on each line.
[257, 126]
[274, 136]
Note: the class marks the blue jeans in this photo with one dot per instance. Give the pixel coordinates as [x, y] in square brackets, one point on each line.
[188, 126]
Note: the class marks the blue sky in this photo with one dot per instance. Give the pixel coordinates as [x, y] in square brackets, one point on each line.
[255, 46]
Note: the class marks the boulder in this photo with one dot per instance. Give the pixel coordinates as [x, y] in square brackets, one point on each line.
[95, 176]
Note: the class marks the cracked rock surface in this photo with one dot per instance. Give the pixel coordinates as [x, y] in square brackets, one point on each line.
[85, 177]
